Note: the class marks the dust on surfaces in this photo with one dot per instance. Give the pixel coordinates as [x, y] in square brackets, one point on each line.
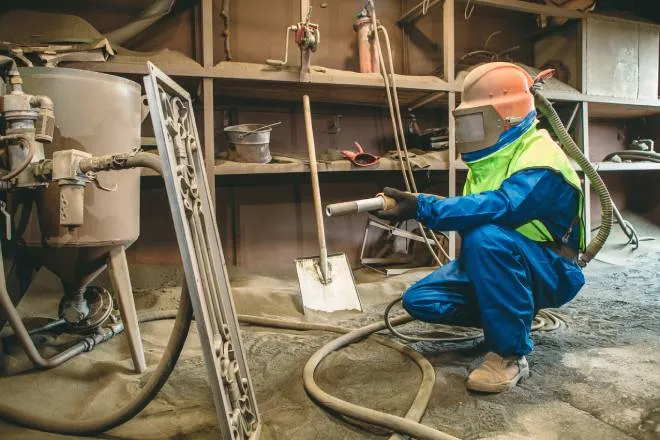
[598, 378]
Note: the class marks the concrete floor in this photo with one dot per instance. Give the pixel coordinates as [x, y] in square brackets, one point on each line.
[597, 378]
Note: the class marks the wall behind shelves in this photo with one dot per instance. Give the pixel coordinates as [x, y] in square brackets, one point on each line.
[266, 222]
[371, 127]
[173, 32]
[257, 29]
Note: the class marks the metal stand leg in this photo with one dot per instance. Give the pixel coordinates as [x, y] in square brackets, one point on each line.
[121, 283]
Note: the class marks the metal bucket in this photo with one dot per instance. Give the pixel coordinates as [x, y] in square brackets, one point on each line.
[253, 147]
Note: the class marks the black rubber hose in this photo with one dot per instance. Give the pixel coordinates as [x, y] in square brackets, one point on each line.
[415, 338]
[573, 151]
[27, 143]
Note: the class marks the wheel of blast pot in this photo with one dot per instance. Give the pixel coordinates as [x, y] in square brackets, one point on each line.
[100, 304]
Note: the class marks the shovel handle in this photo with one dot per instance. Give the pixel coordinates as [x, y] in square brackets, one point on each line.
[316, 191]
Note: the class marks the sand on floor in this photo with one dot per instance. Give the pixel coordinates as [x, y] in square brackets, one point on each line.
[597, 378]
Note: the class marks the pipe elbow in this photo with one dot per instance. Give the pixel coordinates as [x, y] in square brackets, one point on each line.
[43, 102]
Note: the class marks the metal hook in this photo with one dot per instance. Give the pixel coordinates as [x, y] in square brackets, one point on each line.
[467, 14]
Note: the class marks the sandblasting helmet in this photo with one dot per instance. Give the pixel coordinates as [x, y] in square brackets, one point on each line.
[496, 97]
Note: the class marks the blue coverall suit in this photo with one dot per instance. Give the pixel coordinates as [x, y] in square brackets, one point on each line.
[501, 278]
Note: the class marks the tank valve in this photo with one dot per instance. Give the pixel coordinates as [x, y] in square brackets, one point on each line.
[72, 181]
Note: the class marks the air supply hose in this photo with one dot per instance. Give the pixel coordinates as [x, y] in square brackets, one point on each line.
[409, 425]
[157, 379]
[137, 404]
[573, 151]
[545, 320]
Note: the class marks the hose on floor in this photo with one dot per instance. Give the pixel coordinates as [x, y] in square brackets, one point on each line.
[158, 378]
[545, 320]
[160, 375]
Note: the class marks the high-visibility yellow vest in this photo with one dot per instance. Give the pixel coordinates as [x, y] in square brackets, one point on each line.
[534, 149]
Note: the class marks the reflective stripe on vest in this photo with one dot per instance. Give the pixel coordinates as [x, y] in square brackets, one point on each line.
[534, 149]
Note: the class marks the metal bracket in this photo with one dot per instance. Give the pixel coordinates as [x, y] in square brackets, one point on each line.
[203, 261]
[392, 233]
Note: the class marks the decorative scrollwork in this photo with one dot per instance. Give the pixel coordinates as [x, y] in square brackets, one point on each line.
[178, 128]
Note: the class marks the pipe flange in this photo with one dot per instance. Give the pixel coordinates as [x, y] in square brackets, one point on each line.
[100, 304]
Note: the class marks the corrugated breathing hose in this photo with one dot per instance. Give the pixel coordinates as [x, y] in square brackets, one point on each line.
[573, 151]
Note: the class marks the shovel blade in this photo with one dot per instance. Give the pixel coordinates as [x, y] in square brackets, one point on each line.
[339, 293]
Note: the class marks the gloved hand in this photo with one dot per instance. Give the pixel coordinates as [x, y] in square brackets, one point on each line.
[405, 208]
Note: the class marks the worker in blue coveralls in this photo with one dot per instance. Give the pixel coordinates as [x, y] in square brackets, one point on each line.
[520, 220]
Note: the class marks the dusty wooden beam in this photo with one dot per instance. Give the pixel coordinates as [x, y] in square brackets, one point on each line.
[207, 33]
[208, 124]
[449, 67]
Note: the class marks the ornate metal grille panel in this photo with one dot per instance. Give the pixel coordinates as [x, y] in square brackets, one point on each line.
[201, 251]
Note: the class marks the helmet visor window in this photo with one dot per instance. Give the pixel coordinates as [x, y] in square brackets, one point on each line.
[470, 128]
[476, 128]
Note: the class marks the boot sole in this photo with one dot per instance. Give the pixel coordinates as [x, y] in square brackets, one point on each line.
[499, 387]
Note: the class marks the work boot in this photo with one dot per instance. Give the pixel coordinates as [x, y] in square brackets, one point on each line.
[497, 374]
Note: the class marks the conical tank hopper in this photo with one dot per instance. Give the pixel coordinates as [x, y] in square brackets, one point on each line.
[99, 114]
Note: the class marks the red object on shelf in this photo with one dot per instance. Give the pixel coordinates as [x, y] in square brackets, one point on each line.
[359, 157]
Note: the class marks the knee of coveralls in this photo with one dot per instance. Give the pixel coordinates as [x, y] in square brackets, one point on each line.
[445, 296]
[498, 270]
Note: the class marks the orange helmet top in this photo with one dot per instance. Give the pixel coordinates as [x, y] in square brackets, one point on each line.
[500, 94]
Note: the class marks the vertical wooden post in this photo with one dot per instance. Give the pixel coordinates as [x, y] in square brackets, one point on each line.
[449, 71]
[582, 55]
[448, 40]
[207, 94]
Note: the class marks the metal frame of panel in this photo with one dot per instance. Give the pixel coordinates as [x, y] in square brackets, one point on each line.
[204, 265]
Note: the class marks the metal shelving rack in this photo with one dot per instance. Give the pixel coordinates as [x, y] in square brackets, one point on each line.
[246, 79]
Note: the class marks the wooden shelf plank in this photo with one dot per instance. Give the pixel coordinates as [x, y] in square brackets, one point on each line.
[607, 107]
[116, 66]
[232, 168]
[532, 8]
[627, 166]
[261, 81]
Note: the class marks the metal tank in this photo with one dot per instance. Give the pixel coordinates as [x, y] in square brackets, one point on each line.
[99, 114]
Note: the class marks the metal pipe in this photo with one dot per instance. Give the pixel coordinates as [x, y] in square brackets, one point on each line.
[365, 205]
[157, 379]
[24, 336]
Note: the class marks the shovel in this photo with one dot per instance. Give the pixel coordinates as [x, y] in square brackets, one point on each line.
[326, 281]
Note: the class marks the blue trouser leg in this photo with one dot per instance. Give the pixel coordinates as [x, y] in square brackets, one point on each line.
[445, 296]
[500, 280]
